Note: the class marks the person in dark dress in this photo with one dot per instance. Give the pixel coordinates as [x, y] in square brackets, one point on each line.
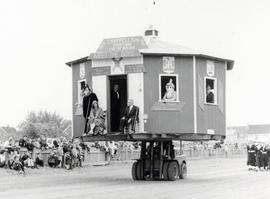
[131, 116]
[115, 108]
[264, 158]
[251, 162]
[88, 99]
[209, 95]
[259, 159]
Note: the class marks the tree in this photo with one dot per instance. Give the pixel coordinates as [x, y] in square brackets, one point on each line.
[44, 123]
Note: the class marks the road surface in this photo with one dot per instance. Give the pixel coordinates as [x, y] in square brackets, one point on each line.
[208, 178]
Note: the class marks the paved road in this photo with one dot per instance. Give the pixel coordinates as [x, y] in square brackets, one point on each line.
[212, 178]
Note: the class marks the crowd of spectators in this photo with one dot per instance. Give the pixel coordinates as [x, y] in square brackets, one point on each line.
[30, 153]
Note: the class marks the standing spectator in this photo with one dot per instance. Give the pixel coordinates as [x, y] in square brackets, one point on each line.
[251, 162]
[43, 142]
[226, 150]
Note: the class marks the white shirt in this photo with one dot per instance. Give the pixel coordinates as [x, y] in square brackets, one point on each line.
[6, 144]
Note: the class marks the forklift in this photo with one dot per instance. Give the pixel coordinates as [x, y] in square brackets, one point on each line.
[158, 161]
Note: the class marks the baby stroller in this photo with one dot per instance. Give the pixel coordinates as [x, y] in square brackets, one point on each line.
[53, 160]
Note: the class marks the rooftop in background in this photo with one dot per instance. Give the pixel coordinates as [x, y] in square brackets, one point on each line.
[259, 129]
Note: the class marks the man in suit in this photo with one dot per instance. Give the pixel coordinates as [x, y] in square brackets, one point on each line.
[131, 116]
[115, 108]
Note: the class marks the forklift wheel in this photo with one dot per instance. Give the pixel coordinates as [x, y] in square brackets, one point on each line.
[140, 175]
[134, 171]
[173, 171]
[165, 170]
[183, 171]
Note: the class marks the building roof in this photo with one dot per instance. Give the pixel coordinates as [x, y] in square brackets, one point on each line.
[68, 130]
[259, 129]
[77, 61]
[157, 46]
[136, 45]
[6, 132]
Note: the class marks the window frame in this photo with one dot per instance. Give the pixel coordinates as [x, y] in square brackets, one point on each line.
[160, 98]
[215, 91]
[79, 100]
[82, 70]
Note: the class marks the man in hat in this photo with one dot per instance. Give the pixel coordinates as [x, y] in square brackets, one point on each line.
[89, 97]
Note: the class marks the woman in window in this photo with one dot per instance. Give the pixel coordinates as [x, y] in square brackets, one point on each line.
[97, 119]
[170, 95]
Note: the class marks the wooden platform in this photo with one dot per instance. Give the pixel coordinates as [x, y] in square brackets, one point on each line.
[150, 137]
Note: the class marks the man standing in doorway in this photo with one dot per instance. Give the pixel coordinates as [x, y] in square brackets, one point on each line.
[115, 108]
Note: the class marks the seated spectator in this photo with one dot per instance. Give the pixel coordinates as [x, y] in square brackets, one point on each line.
[39, 160]
[16, 164]
[27, 160]
[23, 141]
[96, 119]
[131, 116]
[37, 144]
[55, 143]
[29, 145]
[9, 144]
[53, 160]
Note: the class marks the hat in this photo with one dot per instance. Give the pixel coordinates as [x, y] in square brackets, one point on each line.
[170, 83]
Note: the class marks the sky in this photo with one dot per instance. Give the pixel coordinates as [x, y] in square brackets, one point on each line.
[38, 37]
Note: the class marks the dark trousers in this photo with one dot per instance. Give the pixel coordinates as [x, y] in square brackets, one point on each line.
[124, 124]
[86, 126]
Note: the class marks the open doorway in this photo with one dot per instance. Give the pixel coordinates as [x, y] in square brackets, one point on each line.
[118, 100]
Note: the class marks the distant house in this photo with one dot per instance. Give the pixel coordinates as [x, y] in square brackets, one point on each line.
[236, 133]
[259, 132]
[7, 131]
[68, 131]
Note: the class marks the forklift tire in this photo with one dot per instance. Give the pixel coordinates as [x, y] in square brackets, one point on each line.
[165, 170]
[173, 171]
[134, 171]
[140, 174]
[183, 171]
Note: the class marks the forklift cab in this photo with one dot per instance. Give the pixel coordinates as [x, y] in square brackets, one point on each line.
[158, 160]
